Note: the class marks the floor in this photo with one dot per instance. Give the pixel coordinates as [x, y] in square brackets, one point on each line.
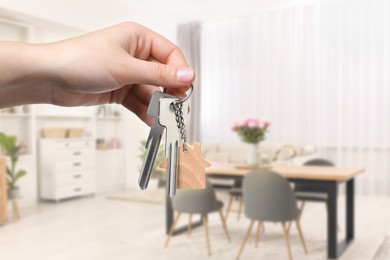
[95, 228]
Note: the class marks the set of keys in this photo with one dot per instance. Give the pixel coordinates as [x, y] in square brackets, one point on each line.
[167, 114]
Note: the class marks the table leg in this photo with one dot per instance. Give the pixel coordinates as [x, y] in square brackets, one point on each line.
[350, 206]
[332, 220]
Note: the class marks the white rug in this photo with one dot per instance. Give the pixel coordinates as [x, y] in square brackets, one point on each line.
[371, 239]
[383, 252]
[271, 246]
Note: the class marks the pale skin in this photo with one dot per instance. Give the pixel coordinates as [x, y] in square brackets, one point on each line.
[122, 64]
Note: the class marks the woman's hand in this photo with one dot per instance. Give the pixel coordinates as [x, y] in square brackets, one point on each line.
[122, 64]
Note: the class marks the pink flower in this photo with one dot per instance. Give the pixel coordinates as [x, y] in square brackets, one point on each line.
[240, 124]
[253, 123]
[261, 123]
[267, 123]
[235, 126]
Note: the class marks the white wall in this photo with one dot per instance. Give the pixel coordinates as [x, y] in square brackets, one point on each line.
[89, 15]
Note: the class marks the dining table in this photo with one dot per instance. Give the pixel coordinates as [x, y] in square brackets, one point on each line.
[326, 179]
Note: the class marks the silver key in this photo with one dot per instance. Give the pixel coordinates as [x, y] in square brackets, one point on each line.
[154, 138]
[167, 118]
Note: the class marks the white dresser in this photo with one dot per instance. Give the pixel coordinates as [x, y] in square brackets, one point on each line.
[67, 168]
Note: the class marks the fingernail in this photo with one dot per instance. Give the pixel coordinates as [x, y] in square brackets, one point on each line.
[184, 75]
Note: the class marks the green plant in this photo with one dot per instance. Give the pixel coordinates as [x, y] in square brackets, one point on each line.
[160, 157]
[8, 143]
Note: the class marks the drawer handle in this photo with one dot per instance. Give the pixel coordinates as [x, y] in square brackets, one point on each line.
[78, 176]
[76, 153]
[77, 189]
[76, 164]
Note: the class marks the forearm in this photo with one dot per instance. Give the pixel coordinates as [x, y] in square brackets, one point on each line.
[121, 64]
[24, 75]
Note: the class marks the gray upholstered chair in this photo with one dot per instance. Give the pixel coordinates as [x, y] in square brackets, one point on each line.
[268, 196]
[307, 192]
[202, 202]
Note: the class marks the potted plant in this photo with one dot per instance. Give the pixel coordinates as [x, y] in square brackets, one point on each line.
[252, 131]
[157, 175]
[8, 143]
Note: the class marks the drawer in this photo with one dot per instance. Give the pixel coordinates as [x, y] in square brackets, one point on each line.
[78, 144]
[75, 154]
[74, 165]
[69, 191]
[77, 177]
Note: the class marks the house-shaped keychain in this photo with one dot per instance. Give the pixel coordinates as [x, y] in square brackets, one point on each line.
[191, 168]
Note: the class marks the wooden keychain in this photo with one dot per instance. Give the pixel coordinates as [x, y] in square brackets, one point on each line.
[191, 168]
[191, 163]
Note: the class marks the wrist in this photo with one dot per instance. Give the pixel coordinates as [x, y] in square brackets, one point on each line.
[24, 73]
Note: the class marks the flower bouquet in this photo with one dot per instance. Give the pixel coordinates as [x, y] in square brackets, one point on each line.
[251, 130]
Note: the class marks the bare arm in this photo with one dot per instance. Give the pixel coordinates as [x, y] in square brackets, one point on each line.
[121, 64]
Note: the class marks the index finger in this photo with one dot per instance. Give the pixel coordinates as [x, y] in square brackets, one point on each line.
[162, 49]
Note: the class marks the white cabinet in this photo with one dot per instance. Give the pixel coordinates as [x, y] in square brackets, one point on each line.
[67, 168]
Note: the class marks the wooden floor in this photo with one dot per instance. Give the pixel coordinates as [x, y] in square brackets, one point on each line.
[95, 228]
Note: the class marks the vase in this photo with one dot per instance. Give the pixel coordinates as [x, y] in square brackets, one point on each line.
[13, 193]
[252, 154]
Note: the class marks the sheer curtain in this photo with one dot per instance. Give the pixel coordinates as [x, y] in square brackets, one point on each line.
[189, 38]
[319, 72]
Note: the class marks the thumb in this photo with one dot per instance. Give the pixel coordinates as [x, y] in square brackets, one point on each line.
[158, 74]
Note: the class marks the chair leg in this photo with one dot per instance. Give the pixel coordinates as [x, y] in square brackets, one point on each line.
[224, 226]
[287, 240]
[301, 235]
[301, 209]
[299, 216]
[189, 225]
[288, 227]
[259, 225]
[240, 207]
[206, 229]
[245, 238]
[262, 227]
[172, 229]
[228, 207]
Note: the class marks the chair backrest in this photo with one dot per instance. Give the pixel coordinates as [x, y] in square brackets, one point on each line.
[268, 197]
[318, 162]
[311, 187]
[195, 201]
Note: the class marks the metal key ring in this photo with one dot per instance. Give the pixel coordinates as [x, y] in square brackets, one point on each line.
[186, 98]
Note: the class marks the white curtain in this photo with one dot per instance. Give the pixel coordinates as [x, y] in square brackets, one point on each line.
[188, 39]
[319, 72]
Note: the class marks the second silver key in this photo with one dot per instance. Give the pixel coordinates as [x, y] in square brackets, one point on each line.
[167, 118]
